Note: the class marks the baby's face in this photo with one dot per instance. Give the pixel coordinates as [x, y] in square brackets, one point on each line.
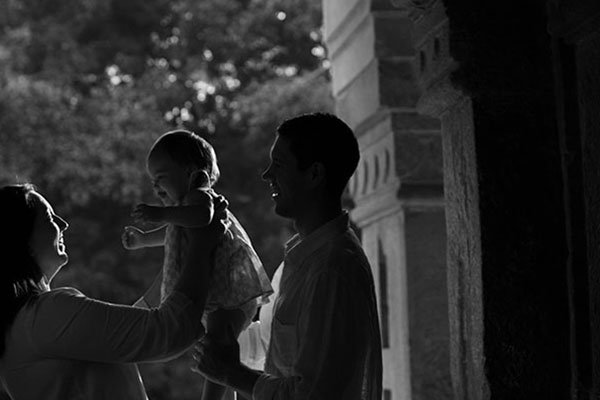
[169, 179]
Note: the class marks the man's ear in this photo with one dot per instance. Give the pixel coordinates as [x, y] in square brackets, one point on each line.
[317, 174]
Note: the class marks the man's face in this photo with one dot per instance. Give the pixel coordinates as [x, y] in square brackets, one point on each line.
[289, 185]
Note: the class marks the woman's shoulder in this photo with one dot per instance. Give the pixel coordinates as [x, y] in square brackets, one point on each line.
[51, 304]
[63, 291]
[60, 295]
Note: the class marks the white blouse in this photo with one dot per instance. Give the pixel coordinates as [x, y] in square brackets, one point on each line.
[66, 346]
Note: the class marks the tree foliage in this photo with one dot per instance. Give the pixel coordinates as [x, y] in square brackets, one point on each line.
[87, 86]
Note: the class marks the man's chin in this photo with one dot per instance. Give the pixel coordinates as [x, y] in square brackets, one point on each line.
[282, 211]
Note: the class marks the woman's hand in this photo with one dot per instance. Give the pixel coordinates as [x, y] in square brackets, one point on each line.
[132, 238]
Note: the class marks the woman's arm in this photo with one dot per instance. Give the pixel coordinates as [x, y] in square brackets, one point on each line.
[67, 324]
[151, 298]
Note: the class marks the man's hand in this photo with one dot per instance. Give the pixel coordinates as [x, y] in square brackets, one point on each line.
[132, 238]
[146, 213]
[216, 360]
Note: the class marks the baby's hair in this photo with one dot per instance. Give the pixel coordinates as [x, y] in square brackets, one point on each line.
[189, 150]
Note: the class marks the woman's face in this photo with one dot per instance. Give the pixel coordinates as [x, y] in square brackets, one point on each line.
[46, 241]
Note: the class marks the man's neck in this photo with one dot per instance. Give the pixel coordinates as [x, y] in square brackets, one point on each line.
[316, 217]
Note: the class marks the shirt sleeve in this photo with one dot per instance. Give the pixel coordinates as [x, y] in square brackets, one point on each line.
[151, 298]
[331, 362]
[67, 324]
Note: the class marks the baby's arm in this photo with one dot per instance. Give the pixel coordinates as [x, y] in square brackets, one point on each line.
[197, 210]
[134, 238]
[155, 237]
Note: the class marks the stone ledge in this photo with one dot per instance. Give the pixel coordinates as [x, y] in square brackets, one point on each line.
[355, 56]
[384, 204]
[338, 35]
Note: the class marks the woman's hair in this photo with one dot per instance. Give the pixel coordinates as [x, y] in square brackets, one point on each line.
[21, 277]
[189, 150]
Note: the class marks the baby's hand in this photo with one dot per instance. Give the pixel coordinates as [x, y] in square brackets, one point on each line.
[132, 238]
[146, 213]
[220, 204]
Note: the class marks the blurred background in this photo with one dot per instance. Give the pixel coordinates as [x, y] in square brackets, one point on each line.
[86, 86]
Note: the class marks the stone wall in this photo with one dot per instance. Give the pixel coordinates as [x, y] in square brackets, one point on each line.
[505, 205]
[397, 189]
[514, 88]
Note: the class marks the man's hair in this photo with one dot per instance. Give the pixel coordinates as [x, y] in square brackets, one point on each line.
[324, 138]
[21, 277]
[189, 150]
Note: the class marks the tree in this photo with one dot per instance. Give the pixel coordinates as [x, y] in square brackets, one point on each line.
[88, 86]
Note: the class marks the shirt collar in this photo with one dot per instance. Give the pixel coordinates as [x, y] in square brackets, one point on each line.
[297, 249]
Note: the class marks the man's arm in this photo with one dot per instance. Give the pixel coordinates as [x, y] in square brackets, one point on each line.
[335, 326]
[339, 337]
[221, 364]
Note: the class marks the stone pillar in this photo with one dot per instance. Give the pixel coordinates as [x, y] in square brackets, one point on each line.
[397, 189]
[575, 29]
[486, 72]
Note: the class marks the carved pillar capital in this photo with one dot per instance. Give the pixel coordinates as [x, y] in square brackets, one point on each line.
[401, 165]
[416, 8]
[573, 21]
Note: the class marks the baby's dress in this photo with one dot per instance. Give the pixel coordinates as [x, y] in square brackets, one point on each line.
[238, 279]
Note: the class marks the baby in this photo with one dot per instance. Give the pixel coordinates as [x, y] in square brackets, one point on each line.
[183, 168]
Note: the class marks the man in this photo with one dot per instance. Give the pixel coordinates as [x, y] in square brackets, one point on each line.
[324, 336]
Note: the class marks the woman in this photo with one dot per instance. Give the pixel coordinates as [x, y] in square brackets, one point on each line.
[60, 344]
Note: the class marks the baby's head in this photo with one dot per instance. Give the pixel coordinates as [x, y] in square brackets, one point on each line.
[179, 161]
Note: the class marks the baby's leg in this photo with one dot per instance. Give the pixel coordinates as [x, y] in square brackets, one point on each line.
[217, 324]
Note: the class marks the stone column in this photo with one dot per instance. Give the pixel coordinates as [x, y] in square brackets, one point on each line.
[575, 29]
[486, 72]
[443, 100]
[397, 189]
